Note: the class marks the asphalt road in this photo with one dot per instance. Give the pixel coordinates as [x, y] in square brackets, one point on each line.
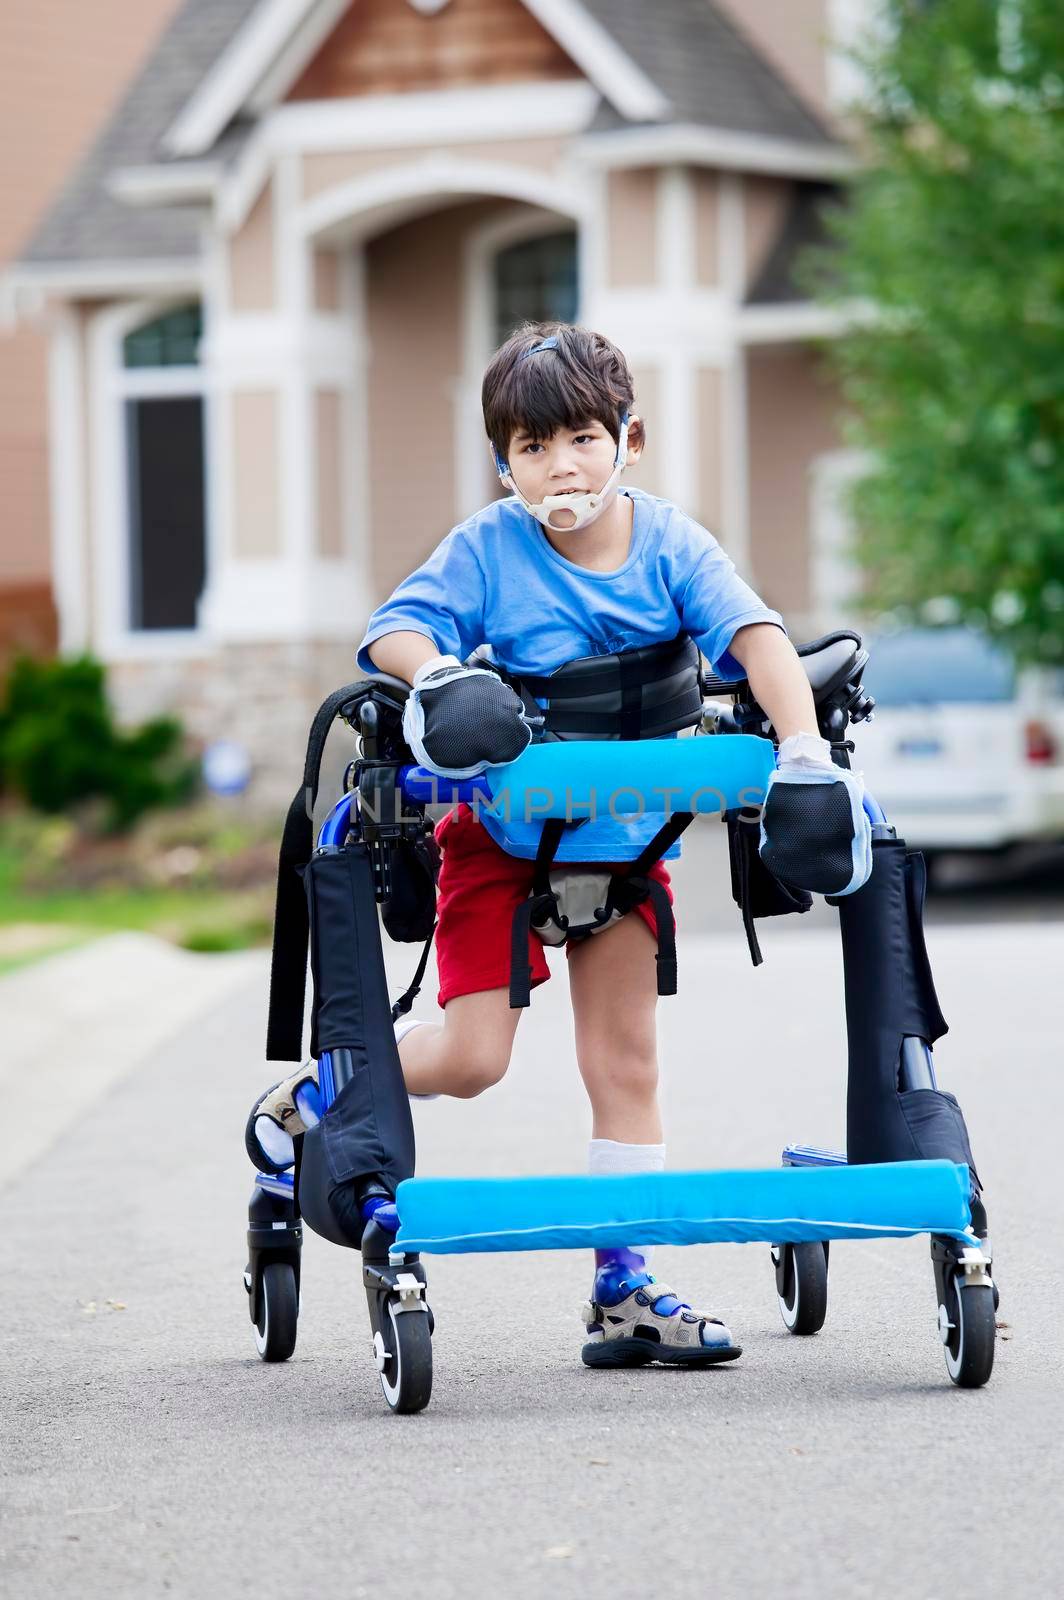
[146, 1450]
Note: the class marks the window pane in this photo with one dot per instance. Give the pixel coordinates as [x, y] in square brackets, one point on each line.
[535, 281]
[168, 341]
[166, 511]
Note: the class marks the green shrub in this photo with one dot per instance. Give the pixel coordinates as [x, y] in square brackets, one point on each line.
[59, 745]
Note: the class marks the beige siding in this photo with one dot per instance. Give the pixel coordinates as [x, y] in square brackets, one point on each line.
[766, 202]
[328, 412]
[327, 269]
[61, 68]
[632, 234]
[710, 499]
[707, 199]
[326, 169]
[413, 309]
[647, 473]
[251, 266]
[381, 47]
[256, 487]
[791, 35]
[792, 418]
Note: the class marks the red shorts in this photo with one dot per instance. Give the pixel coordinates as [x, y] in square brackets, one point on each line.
[480, 889]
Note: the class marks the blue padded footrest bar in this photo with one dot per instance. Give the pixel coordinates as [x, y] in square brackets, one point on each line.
[788, 1205]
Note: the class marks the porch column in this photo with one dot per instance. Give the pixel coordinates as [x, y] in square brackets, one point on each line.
[285, 354]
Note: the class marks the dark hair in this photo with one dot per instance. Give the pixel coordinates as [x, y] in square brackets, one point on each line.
[585, 378]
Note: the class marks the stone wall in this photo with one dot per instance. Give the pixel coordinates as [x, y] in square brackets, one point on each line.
[261, 695]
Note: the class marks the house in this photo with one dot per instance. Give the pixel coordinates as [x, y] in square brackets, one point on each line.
[274, 282]
[62, 68]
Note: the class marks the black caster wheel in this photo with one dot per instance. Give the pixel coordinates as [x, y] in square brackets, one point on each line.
[402, 1350]
[277, 1312]
[802, 1285]
[966, 1327]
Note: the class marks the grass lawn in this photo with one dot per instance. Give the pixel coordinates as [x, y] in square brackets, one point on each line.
[46, 914]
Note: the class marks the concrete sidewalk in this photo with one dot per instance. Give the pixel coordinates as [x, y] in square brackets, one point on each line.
[74, 1025]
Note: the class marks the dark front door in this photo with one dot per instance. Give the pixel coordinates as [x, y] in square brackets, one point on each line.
[167, 525]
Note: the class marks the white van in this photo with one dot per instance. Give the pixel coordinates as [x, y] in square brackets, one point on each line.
[964, 752]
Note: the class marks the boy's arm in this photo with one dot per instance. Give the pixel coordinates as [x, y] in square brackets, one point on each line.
[402, 653]
[777, 678]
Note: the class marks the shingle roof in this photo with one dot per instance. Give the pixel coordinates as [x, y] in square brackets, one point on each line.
[709, 72]
[87, 223]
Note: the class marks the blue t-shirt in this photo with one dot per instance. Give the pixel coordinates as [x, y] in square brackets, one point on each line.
[497, 580]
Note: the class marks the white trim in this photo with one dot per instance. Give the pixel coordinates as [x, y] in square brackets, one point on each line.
[66, 463]
[777, 324]
[150, 383]
[361, 205]
[433, 117]
[161, 185]
[731, 236]
[28, 282]
[675, 225]
[298, 53]
[266, 55]
[715, 147]
[596, 52]
[233, 75]
[502, 112]
[111, 384]
[287, 598]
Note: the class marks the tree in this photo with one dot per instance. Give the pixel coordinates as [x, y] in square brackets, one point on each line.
[954, 240]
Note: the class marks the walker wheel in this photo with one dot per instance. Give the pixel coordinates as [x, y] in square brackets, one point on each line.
[802, 1285]
[966, 1328]
[278, 1311]
[402, 1352]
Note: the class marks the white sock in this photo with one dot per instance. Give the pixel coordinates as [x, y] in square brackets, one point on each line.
[402, 1027]
[610, 1158]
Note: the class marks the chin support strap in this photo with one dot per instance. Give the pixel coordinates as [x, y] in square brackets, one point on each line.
[890, 995]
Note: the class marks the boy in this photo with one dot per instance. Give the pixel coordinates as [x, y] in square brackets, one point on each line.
[572, 566]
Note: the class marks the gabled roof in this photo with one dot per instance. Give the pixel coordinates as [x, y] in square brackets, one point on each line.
[710, 73]
[683, 65]
[87, 223]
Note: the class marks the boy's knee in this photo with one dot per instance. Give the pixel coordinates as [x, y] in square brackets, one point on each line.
[479, 1069]
[631, 1073]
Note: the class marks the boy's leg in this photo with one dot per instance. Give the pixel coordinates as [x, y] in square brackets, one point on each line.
[466, 1053]
[630, 1319]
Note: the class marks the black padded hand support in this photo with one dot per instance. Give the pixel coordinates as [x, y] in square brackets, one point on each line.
[470, 719]
[808, 835]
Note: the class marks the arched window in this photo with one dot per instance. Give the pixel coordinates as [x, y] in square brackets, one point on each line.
[535, 281]
[163, 396]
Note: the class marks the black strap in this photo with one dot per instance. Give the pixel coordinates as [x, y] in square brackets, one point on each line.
[540, 907]
[291, 921]
[661, 842]
[740, 843]
[405, 1001]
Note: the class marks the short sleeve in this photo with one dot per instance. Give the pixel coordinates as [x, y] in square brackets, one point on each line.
[443, 599]
[712, 600]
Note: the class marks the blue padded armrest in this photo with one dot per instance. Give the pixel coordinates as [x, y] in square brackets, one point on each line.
[786, 1205]
[566, 778]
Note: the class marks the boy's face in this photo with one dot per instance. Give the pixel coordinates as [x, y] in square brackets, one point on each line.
[576, 461]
